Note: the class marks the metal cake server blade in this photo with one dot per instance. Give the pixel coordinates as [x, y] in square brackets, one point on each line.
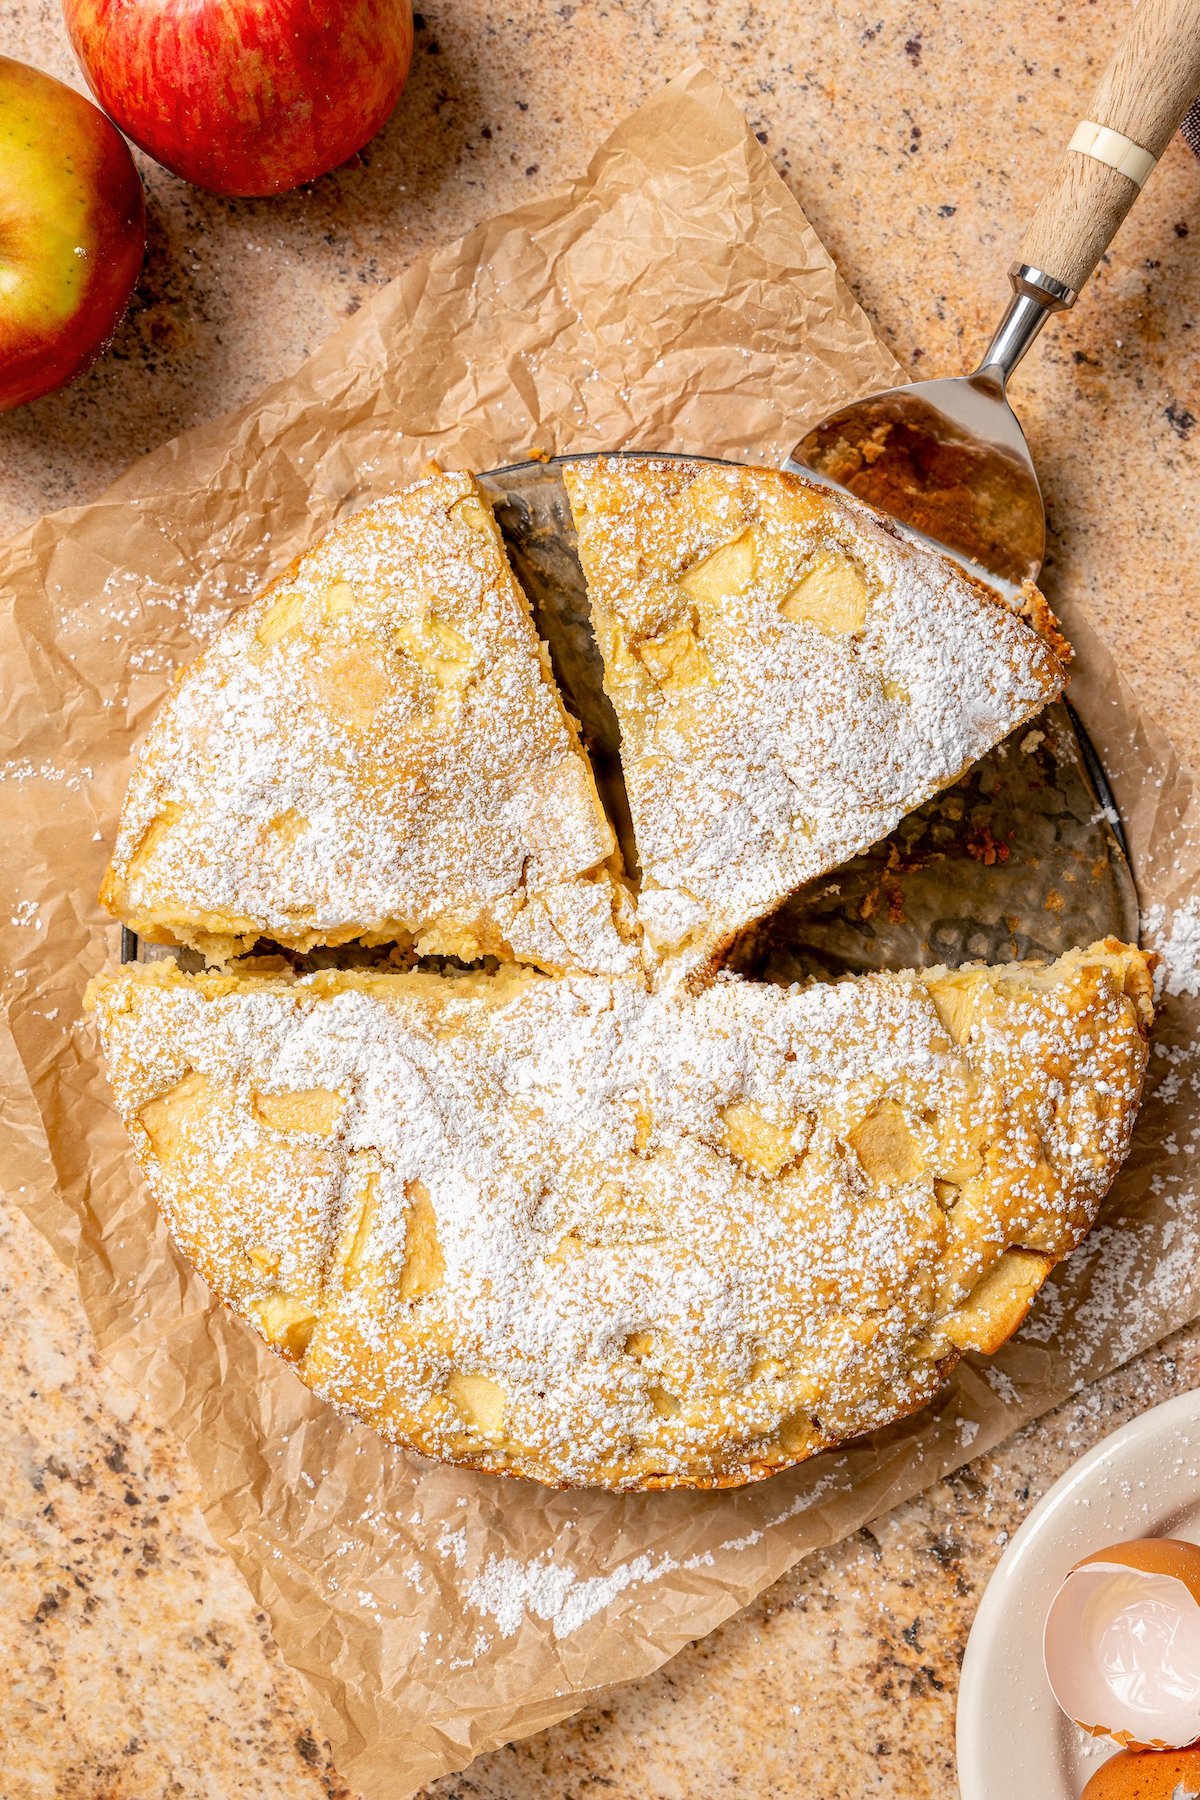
[948, 460]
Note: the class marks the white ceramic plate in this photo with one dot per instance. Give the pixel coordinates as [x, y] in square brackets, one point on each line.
[1143, 1481]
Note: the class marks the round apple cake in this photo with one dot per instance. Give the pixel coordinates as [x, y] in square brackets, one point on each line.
[548, 1193]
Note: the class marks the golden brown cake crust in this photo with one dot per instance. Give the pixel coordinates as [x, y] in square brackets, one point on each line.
[375, 749]
[583, 1232]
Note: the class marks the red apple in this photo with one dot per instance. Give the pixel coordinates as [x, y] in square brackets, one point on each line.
[72, 232]
[245, 96]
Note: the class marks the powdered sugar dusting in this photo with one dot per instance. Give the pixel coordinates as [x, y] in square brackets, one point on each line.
[589, 1232]
[375, 749]
[601, 1229]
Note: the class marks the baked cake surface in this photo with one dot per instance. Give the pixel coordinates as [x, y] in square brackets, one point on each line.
[591, 1233]
[376, 749]
[791, 676]
[601, 1225]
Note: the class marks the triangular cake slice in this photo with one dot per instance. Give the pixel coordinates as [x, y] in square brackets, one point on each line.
[375, 749]
[790, 674]
[594, 1234]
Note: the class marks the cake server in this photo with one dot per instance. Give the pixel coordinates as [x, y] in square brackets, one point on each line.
[948, 458]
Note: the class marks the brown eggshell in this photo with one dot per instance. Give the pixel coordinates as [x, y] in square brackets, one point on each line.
[1154, 1556]
[1112, 1663]
[1147, 1775]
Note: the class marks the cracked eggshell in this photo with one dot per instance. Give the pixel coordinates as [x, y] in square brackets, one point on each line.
[1147, 1775]
[1122, 1646]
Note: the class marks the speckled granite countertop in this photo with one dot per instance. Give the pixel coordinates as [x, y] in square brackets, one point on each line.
[915, 137]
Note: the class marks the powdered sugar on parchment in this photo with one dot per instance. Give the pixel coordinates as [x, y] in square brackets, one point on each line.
[510, 1591]
[1174, 934]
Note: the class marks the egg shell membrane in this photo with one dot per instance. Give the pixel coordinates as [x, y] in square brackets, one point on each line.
[1111, 1584]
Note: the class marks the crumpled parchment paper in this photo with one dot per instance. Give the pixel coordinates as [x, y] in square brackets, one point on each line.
[674, 298]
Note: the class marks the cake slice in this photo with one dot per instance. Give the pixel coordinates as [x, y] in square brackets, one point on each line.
[375, 749]
[595, 1234]
[790, 674]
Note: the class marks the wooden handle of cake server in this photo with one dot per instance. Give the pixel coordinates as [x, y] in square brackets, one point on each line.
[1145, 91]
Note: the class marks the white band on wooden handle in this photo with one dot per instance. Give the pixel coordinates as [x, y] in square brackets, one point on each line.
[1115, 149]
[1143, 94]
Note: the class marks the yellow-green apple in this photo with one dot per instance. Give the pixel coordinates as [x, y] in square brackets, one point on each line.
[245, 96]
[72, 232]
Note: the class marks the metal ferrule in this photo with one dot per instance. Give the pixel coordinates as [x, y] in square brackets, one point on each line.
[1053, 294]
[1035, 296]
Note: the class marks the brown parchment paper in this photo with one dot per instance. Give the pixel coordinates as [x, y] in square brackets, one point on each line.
[674, 298]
